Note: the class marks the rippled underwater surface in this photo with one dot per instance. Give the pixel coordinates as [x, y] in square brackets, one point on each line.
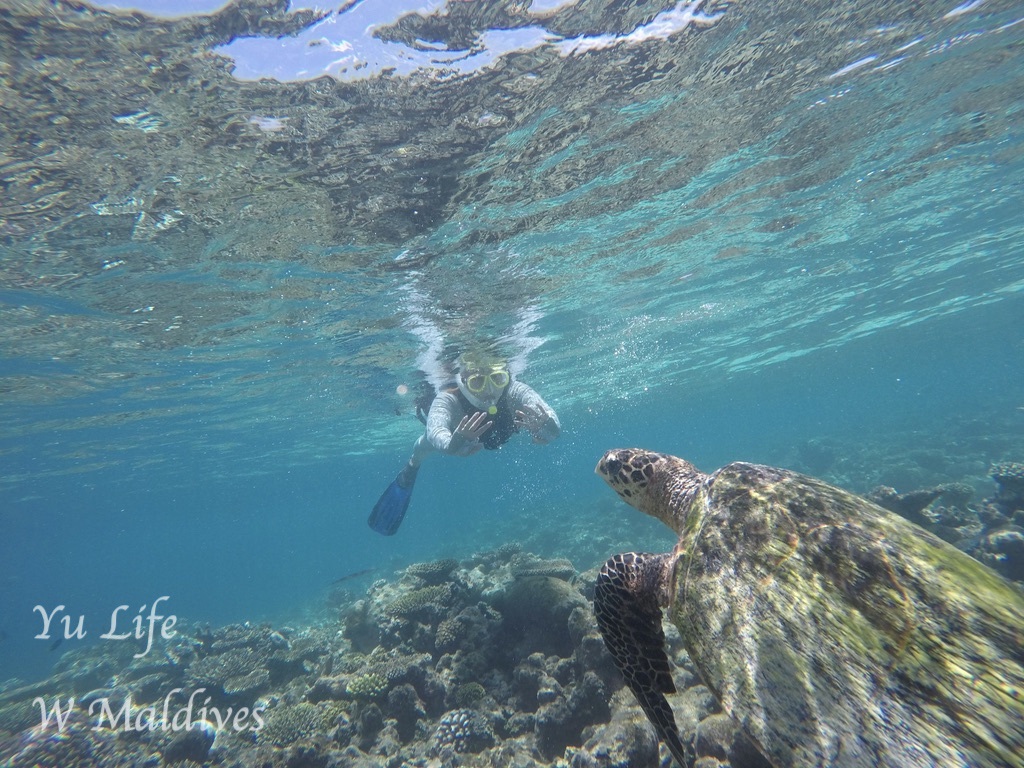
[717, 230]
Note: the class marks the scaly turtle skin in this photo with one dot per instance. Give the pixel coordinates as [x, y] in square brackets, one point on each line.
[833, 631]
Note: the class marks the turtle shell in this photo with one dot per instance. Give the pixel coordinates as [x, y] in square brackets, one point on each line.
[839, 634]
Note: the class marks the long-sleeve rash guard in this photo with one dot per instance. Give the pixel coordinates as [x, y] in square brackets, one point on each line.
[446, 412]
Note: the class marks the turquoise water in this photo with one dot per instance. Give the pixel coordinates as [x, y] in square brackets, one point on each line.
[718, 236]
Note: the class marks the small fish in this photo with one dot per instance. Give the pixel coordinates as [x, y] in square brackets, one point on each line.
[56, 643]
[355, 575]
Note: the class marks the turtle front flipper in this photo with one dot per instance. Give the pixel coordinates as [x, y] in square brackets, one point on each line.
[628, 610]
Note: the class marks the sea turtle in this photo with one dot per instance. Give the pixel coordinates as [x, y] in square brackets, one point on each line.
[834, 632]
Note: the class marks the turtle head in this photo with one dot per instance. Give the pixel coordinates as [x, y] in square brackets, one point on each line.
[657, 484]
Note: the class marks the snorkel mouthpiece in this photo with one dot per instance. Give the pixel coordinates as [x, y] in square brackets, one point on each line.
[492, 410]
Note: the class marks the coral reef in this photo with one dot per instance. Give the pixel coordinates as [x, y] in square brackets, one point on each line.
[1003, 550]
[1009, 478]
[910, 505]
[719, 738]
[956, 494]
[406, 707]
[242, 660]
[359, 627]
[238, 670]
[192, 745]
[626, 741]
[76, 746]
[494, 660]
[420, 601]
[289, 723]
[369, 686]
[434, 572]
[468, 694]
[559, 568]
[561, 721]
[463, 730]
[991, 530]
[536, 612]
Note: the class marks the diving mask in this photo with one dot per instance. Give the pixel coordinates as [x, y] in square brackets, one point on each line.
[483, 387]
[477, 382]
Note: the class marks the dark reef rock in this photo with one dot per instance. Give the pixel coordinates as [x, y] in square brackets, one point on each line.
[326, 688]
[405, 706]
[359, 628]
[1003, 550]
[192, 745]
[909, 505]
[1009, 478]
[536, 610]
[628, 741]
[561, 722]
[531, 678]
[719, 737]
[369, 725]
[715, 736]
[957, 495]
[695, 704]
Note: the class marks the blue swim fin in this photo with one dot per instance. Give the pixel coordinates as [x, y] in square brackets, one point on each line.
[389, 511]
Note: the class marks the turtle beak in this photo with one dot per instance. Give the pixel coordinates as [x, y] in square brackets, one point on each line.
[608, 465]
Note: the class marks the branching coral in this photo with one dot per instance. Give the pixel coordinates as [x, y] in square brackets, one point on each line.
[367, 687]
[463, 730]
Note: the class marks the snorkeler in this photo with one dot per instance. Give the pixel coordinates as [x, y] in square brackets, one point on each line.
[483, 408]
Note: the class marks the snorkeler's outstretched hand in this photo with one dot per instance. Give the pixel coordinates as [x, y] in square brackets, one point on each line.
[466, 437]
[532, 421]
